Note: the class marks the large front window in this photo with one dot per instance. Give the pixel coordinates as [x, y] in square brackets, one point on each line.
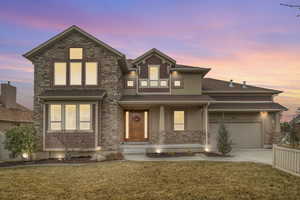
[70, 117]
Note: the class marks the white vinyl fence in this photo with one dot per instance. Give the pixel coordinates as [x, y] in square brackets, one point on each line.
[286, 159]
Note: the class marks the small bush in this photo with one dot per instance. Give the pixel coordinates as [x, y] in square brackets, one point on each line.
[224, 143]
[21, 140]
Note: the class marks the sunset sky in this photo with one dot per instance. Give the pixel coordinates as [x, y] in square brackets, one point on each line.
[253, 40]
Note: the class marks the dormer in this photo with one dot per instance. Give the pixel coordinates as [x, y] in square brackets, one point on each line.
[156, 73]
[153, 71]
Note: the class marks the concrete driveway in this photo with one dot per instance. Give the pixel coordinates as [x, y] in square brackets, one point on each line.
[238, 155]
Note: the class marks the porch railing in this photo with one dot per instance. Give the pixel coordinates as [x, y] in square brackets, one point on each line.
[286, 159]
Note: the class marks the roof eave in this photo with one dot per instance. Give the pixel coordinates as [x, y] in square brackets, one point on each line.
[240, 91]
[239, 110]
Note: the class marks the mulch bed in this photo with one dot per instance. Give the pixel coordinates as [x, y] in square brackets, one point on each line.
[76, 160]
[170, 154]
[215, 154]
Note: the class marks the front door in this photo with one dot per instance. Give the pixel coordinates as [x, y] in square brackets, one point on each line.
[136, 126]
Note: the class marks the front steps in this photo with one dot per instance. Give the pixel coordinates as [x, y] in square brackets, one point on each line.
[141, 148]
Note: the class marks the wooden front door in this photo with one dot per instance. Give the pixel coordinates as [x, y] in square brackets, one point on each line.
[136, 123]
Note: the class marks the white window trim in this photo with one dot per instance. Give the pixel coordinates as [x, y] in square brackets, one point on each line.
[63, 129]
[167, 81]
[140, 83]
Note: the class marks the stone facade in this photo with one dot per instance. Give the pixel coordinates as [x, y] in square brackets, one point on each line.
[110, 79]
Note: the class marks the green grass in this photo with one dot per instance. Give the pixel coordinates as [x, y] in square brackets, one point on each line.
[149, 180]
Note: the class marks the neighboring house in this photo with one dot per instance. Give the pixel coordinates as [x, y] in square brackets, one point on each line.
[89, 97]
[11, 114]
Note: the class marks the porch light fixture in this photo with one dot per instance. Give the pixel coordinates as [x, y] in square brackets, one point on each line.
[263, 114]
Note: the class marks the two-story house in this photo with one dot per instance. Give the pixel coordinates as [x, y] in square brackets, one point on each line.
[89, 97]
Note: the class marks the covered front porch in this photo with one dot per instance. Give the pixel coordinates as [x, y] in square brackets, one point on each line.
[165, 124]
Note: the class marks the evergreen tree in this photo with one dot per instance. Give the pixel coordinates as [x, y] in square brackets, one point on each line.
[224, 143]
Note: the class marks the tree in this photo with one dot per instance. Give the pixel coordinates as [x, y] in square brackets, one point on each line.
[224, 143]
[291, 6]
[21, 141]
[285, 127]
[293, 135]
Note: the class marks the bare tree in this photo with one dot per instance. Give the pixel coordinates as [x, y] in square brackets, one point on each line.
[291, 6]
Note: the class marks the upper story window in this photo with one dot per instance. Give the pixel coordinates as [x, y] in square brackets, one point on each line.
[153, 75]
[71, 72]
[60, 73]
[75, 53]
[91, 71]
[75, 73]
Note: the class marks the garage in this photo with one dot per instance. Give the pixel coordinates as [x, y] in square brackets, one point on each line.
[243, 134]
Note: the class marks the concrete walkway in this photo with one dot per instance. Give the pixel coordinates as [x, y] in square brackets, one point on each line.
[238, 155]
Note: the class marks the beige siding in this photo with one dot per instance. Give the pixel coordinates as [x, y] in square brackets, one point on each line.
[192, 83]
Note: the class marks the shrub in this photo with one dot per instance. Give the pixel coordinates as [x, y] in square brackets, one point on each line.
[21, 141]
[224, 143]
[114, 156]
[294, 140]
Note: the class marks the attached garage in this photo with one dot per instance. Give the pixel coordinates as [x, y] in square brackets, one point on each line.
[242, 134]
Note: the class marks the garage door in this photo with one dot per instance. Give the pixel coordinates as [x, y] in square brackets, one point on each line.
[243, 135]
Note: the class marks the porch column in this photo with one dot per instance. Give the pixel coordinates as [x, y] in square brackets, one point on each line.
[161, 123]
[205, 120]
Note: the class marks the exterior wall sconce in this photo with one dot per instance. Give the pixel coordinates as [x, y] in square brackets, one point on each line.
[263, 114]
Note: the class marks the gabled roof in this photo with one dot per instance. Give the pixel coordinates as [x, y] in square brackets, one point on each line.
[153, 51]
[65, 32]
[210, 85]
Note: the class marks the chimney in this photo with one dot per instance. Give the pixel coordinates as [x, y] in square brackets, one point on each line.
[8, 95]
[231, 83]
[244, 84]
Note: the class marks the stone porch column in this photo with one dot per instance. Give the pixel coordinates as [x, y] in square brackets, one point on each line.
[161, 123]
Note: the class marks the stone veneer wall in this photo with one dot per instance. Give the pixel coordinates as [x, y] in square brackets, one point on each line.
[109, 78]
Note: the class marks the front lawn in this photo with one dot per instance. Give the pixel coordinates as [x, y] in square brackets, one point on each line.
[149, 180]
